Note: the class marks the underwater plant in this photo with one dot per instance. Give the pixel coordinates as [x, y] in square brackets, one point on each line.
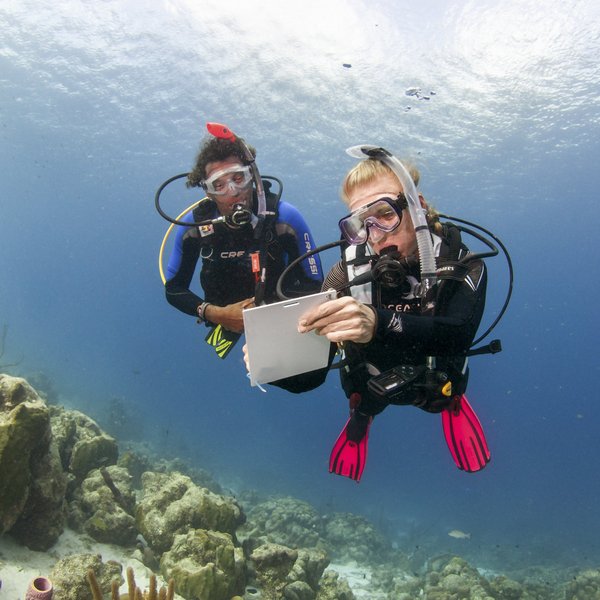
[134, 592]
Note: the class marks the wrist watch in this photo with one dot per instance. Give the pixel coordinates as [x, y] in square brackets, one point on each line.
[201, 310]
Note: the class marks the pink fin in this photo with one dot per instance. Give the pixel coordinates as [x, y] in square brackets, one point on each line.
[348, 457]
[464, 436]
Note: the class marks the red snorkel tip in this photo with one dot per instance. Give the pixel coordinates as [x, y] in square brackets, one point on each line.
[220, 131]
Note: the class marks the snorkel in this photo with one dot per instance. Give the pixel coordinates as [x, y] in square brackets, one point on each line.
[417, 215]
[223, 132]
[259, 264]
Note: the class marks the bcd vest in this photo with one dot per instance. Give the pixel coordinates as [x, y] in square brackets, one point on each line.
[227, 274]
[357, 260]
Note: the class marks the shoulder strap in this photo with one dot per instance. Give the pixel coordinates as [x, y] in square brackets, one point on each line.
[451, 251]
[271, 198]
[355, 262]
[204, 209]
[451, 242]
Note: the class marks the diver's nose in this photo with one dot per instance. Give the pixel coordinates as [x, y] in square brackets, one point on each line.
[233, 190]
[375, 234]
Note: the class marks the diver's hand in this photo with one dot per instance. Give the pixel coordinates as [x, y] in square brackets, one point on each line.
[341, 320]
[230, 316]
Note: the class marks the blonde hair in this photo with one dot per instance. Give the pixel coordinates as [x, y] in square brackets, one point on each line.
[367, 171]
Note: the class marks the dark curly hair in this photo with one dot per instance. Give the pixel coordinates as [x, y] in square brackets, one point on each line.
[212, 150]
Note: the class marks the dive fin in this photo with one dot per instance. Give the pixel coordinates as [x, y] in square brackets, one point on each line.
[222, 340]
[349, 454]
[464, 436]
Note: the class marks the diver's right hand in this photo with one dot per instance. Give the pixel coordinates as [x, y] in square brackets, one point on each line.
[341, 320]
[230, 316]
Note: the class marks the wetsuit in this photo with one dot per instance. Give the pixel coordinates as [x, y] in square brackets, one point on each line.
[226, 275]
[403, 335]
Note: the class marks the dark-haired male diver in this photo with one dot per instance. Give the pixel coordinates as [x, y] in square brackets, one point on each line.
[411, 305]
[245, 237]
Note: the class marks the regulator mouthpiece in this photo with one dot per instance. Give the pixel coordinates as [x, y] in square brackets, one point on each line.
[240, 216]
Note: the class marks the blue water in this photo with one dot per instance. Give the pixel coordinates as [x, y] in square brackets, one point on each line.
[102, 101]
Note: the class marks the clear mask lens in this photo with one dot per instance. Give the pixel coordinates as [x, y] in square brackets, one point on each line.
[228, 181]
[383, 214]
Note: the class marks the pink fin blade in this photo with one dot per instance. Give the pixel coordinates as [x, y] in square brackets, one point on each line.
[348, 457]
[465, 437]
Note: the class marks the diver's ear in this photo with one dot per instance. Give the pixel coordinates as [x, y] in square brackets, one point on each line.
[422, 201]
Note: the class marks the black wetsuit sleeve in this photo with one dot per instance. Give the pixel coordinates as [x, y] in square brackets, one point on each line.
[180, 272]
[448, 333]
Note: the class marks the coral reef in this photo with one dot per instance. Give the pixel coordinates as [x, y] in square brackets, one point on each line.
[293, 523]
[172, 504]
[140, 457]
[286, 573]
[584, 586]
[188, 531]
[32, 483]
[205, 565]
[331, 587]
[83, 446]
[136, 464]
[452, 578]
[352, 537]
[55, 462]
[103, 506]
[286, 521]
[69, 575]
[273, 562]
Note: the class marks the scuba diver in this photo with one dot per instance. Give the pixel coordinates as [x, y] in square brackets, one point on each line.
[244, 235]
[410, 300]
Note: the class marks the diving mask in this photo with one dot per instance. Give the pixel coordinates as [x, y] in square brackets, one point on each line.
[228, 181]
[385, 214]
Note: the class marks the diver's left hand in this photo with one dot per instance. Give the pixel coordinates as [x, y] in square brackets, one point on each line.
[341, 320]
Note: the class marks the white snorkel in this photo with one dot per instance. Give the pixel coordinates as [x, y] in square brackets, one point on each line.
[416, 211]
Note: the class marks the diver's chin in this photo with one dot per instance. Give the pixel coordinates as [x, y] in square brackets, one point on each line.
[233, 207]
